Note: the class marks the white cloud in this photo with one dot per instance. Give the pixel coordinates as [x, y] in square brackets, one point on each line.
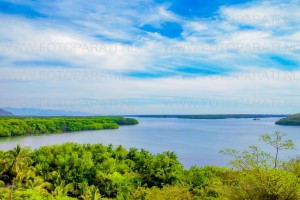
[221, 45]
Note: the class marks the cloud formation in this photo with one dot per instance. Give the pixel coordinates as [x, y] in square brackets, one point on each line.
[151, 57]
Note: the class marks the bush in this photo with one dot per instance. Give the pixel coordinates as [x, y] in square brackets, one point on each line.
[264, 184]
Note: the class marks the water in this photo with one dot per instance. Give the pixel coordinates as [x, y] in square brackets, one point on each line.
[196, 142]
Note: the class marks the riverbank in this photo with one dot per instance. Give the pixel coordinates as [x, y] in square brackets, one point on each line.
[17, 126]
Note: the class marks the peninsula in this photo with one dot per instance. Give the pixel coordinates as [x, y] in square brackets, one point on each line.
[16, 126]
[293, 120]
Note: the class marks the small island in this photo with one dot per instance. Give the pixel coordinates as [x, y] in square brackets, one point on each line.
[17, 126]
[293, 120]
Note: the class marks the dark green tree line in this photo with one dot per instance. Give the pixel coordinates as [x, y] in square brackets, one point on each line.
[38, 125]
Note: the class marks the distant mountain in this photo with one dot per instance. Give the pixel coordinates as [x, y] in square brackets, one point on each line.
[42, 112]
[293, 120]
[5, 113]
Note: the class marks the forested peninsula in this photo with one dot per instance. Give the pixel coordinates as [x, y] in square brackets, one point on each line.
[16, 126]
[293, 120]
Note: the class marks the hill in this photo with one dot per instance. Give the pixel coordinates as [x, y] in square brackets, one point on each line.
[5, 113]
[293, 120]
[43, 112]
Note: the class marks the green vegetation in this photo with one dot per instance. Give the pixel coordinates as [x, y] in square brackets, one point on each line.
[73, 171]
[12, 126]
[293, 120]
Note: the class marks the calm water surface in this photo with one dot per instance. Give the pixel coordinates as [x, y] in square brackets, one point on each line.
[196, 142]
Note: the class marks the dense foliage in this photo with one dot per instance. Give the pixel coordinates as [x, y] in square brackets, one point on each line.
[26, 126]
[293, 120]
[74, 171]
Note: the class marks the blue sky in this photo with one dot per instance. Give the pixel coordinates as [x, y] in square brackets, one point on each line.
[151, 57]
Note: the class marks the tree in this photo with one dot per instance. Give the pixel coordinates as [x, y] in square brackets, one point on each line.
[21, 159]
[276, 141]
[259, 176]
[88, 192]
[5, 163]
[167, 192]
[254, 157]
[268, 184]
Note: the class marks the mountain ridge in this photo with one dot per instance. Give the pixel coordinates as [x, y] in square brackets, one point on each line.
[5, 113]
[43, 112]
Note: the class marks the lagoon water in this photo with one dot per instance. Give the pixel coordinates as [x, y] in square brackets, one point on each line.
[195, 141]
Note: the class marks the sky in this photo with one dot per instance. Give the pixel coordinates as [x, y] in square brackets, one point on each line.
[151, 56]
